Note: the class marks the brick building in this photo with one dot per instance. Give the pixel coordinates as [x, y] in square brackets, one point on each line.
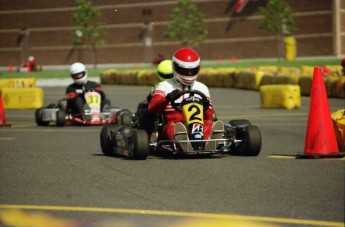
[47, 27]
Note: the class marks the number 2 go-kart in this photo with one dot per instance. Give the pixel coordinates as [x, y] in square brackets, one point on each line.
[238, 137]
[61, 116]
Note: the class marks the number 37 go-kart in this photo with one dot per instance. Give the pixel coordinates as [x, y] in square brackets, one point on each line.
[237, 137]
[61, 116]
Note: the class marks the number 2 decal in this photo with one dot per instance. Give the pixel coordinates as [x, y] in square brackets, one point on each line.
[195, 116]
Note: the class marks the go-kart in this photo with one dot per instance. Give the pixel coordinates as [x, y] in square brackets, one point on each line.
[93, 115]
[237, 137]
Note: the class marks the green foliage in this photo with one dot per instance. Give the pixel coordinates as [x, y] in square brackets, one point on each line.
[187, 24]
[89, 30]
[277, 17]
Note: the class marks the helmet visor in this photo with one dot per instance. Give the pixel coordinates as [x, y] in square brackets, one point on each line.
[186, 71]
[78, 75]
[166, 76]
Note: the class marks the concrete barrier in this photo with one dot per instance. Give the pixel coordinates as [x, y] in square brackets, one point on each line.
[22, 98]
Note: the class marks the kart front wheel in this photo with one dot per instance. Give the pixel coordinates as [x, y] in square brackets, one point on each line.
[239, 122]
[250, 144]
[140, 145]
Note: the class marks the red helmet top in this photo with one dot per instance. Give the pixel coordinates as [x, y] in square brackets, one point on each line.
[186, 65]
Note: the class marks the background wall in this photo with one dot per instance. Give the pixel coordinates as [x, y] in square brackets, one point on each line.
[49, 24]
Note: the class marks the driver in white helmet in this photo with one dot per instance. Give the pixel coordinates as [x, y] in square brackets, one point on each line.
[75, 92]
[186, 66]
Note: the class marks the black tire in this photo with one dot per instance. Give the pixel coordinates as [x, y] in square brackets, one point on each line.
[106, 141]
[38, 118]
[126, 118]
[251, 141]
[60, 118]
[140, 145]
[239, 122]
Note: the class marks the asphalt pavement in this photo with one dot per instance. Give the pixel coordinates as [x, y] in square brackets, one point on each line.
[62, 172]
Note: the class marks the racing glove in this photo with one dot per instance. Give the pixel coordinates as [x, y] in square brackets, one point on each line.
[175, 94]
[206, 104]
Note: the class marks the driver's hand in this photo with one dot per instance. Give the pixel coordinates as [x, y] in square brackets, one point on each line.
[206, 104]
[175, 94]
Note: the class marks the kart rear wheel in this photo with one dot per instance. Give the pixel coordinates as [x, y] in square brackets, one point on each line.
[60, 118]
[140, 145]
[238, 122]
[38, 118]
[106, 141]
[251, 141]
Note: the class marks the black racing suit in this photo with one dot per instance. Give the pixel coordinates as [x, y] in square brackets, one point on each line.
[75, 96]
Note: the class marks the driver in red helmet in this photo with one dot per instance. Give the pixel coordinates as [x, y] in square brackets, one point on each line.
[186, 66]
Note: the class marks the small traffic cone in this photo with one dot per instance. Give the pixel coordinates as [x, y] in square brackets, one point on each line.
[320, 138]
[2, 114]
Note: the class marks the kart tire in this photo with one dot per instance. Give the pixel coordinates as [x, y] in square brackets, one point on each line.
[140, 145]
[238, 122]
[38, 118]
[251, 141]
[106, 141]
[126, 118]
[60, 118]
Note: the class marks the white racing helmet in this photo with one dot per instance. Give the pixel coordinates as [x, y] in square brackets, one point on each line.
[186, 65]
[78, 73]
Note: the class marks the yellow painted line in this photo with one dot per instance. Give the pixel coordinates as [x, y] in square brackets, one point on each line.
[179, 214]
[7, 138]
[21, 125]
[294, 157]
[282, 156]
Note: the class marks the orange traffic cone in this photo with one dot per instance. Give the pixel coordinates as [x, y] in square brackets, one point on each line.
[2, 114]
[320, 138]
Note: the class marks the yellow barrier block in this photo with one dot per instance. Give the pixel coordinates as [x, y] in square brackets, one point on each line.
[307, 70]
[305, 84]
[338, 119]
[341, 87]
[18, 83]
[271, 68]
[22, 98]
[147, 77]
[280, 96]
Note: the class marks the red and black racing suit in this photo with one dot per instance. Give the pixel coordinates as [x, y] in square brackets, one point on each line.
[158, 104]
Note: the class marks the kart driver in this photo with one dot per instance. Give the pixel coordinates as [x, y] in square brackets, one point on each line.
[75, 92]
[186, 66]
[165, 72]
[147, 120]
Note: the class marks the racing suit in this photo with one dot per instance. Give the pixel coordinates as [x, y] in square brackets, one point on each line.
[159, 104]
[75, 96]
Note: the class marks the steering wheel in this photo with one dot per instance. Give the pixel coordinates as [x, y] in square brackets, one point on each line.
[177, 106]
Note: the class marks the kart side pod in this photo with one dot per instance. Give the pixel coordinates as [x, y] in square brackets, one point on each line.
[125, 141]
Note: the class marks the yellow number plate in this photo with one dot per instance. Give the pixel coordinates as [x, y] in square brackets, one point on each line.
[193, 113]
[93, 98]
